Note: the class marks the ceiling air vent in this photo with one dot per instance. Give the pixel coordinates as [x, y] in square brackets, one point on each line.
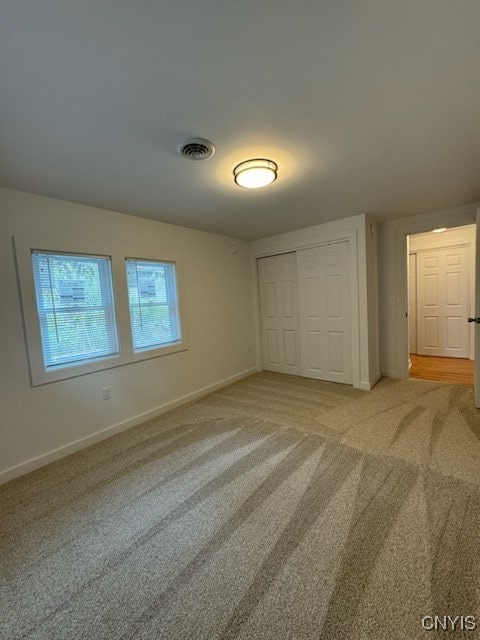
[196, 149]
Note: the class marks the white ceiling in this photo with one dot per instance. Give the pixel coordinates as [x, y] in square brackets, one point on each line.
[367, 106]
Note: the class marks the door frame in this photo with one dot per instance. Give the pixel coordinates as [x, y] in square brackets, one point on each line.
[412, 304]
[349, 236]
[406, 228]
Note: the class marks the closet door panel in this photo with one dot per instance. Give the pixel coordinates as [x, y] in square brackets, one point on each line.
[277, 276]
[324, 312]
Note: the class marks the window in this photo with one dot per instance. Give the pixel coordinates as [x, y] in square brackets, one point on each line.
[153, 301]
[76, 308]
[88, 308]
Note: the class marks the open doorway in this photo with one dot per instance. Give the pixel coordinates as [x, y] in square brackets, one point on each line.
[441, 298]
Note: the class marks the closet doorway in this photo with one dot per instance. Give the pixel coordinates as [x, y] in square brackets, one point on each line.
[306, 313]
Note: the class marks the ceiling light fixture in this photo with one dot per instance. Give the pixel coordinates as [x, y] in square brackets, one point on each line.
[255, 173]
[439, 230]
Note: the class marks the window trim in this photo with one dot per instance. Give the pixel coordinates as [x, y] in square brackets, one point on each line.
[24, 245]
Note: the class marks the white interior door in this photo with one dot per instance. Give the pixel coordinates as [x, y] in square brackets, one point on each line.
[279, 313]
[442, 302]
[412, 303]
[477, 314]
[324, 305]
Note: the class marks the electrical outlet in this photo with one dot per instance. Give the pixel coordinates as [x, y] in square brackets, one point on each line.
[107, 393]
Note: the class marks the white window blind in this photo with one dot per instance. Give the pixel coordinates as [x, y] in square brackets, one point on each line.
[75, 307]
[153, 300]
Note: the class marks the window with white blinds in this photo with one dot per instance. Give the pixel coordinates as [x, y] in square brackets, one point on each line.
[87, 308]
[153, 301]
[76, 308]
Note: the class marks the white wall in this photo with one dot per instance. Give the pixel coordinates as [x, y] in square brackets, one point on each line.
[42, 423]
[449, 238]
[392, 278]
[362, 236]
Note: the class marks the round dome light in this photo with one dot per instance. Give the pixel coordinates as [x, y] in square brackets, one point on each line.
[253, 174]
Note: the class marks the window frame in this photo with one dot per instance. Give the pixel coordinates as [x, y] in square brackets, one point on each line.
[175, 308]
[106, 282]
[39, 375]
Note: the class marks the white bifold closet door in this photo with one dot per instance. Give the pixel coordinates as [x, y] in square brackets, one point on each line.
[324, 312]
[279, 313]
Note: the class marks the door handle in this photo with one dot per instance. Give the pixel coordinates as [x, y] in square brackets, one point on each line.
[477, 320]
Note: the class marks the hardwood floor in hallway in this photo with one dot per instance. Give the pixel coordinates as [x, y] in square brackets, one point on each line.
[459, 370]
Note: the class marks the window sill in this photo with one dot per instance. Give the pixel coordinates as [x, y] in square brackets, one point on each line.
[59, 373]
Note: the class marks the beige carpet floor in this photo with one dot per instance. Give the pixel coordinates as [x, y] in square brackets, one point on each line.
[276, 508]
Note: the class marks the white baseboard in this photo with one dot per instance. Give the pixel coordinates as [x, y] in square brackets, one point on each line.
[367, 386]
[392, 374]
[375, 379]
[82, 443]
